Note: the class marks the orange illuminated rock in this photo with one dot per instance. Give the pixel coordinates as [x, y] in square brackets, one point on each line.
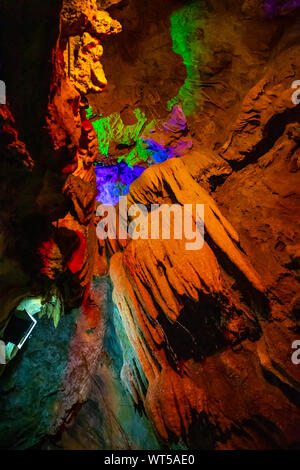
[265, 112]
[201, 344]
[77, 71]
[9, 137]
[55, 206]
[178, 306]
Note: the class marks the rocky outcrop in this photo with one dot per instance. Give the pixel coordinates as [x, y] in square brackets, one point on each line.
[55, 177]
[205, 331]
[77, 70]
[186, 316]
[190, 328]
[48, 239]
[196, 350]
[263, 150]
[267, 113]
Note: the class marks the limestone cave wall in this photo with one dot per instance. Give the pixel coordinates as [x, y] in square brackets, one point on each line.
[141, 343]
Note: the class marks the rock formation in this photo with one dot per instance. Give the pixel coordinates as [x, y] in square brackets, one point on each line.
[158, 346]
[49, 244]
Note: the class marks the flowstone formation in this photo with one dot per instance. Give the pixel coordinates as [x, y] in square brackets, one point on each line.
[48, 242]
[194, 322]
[141, 343]
[59, 167]
[139, 146]
[207, 330]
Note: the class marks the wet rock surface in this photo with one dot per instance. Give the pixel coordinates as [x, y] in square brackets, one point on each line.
[166, 347]
[31, 385]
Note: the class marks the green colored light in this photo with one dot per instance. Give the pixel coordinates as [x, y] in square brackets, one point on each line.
[89, 112]
[187, 34]
[112, 129]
